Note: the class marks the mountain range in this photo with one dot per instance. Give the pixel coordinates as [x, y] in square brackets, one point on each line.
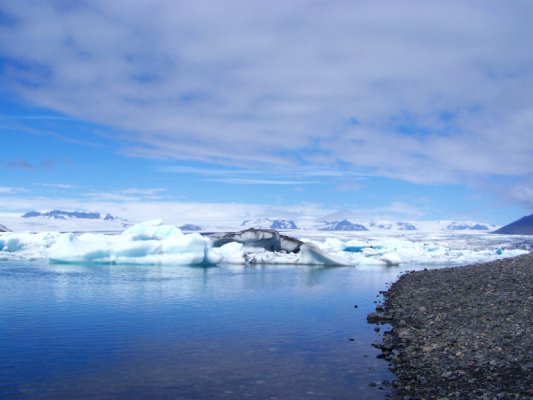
[267, 223]
[65, 221]
[60, 214]
[83, 221]
[373, 225]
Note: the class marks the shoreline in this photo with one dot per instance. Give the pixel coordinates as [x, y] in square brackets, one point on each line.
[462, 332]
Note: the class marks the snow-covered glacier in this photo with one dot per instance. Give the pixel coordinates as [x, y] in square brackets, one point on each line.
[154, 243]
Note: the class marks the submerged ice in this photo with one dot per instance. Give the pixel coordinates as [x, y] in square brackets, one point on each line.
[155, 243]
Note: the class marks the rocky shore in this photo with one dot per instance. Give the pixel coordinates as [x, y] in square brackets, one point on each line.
[461, 333]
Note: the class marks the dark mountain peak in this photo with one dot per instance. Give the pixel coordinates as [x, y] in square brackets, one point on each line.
[267, 223]
[343, 225]
[60, 214]
[523, 226]
[283, 224]
[458, 226]
[190, 227]
[405, 226]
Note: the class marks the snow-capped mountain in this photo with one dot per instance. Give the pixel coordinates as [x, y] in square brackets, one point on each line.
[454, 226]
[399, 226]
[66, 221]
[375, 225]
[267, 223]
[59, 214]
[190, 227]
[283, 224]
[468, 226]
[343, 225]
[3, 228]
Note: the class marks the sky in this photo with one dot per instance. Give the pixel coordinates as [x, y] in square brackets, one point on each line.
[205, 111]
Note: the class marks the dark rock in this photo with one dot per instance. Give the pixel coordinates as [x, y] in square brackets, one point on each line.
[462, 333]
[374, 318]
[268, 239]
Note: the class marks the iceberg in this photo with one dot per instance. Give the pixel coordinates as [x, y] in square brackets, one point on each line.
[150, 243]
[155, 243]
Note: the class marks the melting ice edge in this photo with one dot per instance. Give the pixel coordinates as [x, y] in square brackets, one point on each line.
[155, 243]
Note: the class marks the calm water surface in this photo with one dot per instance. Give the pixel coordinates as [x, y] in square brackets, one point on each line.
[107, 332]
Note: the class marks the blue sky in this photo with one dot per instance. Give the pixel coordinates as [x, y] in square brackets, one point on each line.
[206, 111]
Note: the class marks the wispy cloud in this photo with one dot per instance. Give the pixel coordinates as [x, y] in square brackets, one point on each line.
[11, 190]
[347, 187]
[127, 195]
[63, 186]
[429, 93]
[344, 180]
[26, 165]
[182, 169]
[19, 164]
[35, 117]
[522, 194]
[244, 181]
[143, 191]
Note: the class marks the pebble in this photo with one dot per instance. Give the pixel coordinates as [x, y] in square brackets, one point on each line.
[461, 333]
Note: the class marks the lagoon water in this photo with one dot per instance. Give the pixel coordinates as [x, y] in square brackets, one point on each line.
[176, 332]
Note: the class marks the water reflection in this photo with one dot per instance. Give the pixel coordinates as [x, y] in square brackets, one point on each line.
[102, 332]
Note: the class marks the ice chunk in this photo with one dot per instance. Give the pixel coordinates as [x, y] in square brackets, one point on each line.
[26, 245]
[231, 253]
[290, 244]
[333, 244]
[151, 230]
[155, 243]
[312, 254]
[13, 244]
[391, 259]
[149, 243]
[268, 239]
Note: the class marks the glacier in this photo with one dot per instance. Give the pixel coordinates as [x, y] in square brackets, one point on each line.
[155, 243]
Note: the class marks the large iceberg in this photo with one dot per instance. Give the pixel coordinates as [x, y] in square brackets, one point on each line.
[149, 243]
[154, 243]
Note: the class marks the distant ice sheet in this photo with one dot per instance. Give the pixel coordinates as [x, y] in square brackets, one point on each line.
[154, 243]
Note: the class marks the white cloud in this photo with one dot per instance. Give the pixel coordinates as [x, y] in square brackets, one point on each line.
[203, 213]
[139, 210]
[143, 191]
[427, 92]
[522, 194]
[128, 195]
[245, 181]
[64, 186]
[11, 190]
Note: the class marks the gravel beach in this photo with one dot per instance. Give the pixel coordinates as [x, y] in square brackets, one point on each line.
[461, 333]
